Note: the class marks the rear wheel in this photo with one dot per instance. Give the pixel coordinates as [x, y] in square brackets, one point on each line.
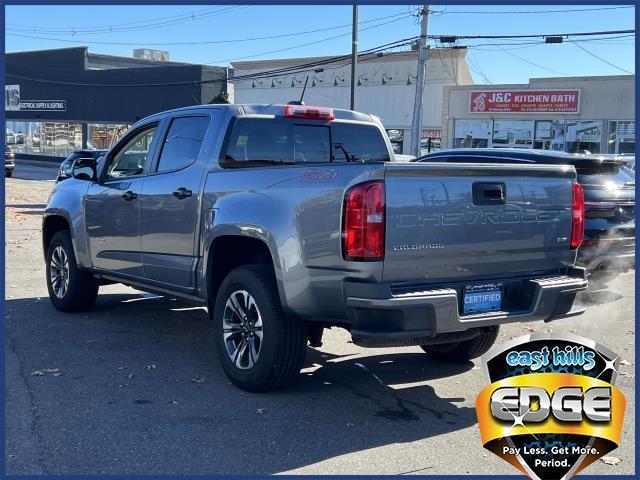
[70, 288]
[260, 348]
[464, 350]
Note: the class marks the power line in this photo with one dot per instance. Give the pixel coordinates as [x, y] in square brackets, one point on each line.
[530, 62]
[131, 28]
[170, 17]
[208, 42]
[577, 44]
[530, 12]
[293, 47]
[535, 35]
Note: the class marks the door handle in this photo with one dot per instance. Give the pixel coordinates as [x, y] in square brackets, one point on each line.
[182, 193]
[485, 193]
[129, 195]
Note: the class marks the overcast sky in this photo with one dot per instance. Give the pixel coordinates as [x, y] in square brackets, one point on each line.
[118, 29]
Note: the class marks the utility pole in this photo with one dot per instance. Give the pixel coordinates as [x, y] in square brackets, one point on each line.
[416, 130]
[354, 54]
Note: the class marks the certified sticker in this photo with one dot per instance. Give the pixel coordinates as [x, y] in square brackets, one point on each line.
[551, 408]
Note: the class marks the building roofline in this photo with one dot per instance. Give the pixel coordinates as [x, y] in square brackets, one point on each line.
[408, 54]
[537, 80]
[86, 49]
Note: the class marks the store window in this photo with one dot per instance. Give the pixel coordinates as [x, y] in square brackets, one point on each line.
[513, 133]
[396, 137]
[622, 137]
[44, 138]
[472, 133]
[430, 140]
[583, 137]
[550, 135]
[105, 135]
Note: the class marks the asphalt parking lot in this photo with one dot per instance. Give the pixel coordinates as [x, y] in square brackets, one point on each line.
[133, 387]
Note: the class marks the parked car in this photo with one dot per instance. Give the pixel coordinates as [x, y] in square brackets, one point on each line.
[65, 167]
[609, 189]
[9, 161]
[285, 220]
[9, 137]
[399, 157]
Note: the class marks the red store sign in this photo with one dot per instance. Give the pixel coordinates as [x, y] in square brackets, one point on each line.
[524, 101]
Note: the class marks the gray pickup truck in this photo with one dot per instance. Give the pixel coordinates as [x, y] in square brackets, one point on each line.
[286, 220]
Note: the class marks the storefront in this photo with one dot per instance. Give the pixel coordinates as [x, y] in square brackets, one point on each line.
[573, 114]
[58, 101]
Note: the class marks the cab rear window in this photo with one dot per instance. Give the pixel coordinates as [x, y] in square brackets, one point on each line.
[255, 142]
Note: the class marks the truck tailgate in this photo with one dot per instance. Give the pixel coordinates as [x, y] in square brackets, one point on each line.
[463, 222]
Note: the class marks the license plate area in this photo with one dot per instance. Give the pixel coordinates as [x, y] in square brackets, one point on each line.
[482, 298]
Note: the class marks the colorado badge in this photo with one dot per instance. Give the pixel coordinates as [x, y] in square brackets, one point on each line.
[551, 408]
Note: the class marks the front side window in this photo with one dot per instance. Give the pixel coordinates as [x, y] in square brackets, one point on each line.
[182, 143]
[131, 159]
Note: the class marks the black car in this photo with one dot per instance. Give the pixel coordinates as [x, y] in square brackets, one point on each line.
[67, 164]
[9, 161]
[609, 194]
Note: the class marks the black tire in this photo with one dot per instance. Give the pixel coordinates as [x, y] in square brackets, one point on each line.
[283, 345]
[458, 352]
[8, 173]
[82, 290]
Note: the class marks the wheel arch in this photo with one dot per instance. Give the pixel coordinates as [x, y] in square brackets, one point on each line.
[232, 250]
[52, 224]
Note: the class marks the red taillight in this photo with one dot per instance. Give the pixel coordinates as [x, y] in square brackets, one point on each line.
[363, 222]
[302, 111]
[577, 226]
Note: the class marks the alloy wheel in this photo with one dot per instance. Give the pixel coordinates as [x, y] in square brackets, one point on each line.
[242, 329]
[59, 272]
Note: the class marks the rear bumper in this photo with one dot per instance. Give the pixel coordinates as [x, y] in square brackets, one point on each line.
[414, 318]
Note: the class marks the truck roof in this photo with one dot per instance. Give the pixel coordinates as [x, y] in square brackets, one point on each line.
[530, 155]
[272, 109]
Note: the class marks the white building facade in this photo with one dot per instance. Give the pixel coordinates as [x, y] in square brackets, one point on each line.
[574, 114]
[385, 88]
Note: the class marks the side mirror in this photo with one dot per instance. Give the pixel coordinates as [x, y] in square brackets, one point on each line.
[84, 169]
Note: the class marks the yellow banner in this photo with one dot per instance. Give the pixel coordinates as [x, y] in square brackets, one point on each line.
[493, 429]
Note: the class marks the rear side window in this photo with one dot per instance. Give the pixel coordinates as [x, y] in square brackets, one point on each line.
[182, 144]
[255, 142]
[358, 143]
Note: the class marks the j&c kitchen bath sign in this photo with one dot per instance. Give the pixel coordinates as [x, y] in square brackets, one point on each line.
[524, 101]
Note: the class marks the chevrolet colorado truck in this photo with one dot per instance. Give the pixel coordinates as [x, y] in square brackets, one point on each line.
[285, 220]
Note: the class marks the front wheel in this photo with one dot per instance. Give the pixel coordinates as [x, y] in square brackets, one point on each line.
[70, 288]
[464, 350]
[260, 348]
[8, 173]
